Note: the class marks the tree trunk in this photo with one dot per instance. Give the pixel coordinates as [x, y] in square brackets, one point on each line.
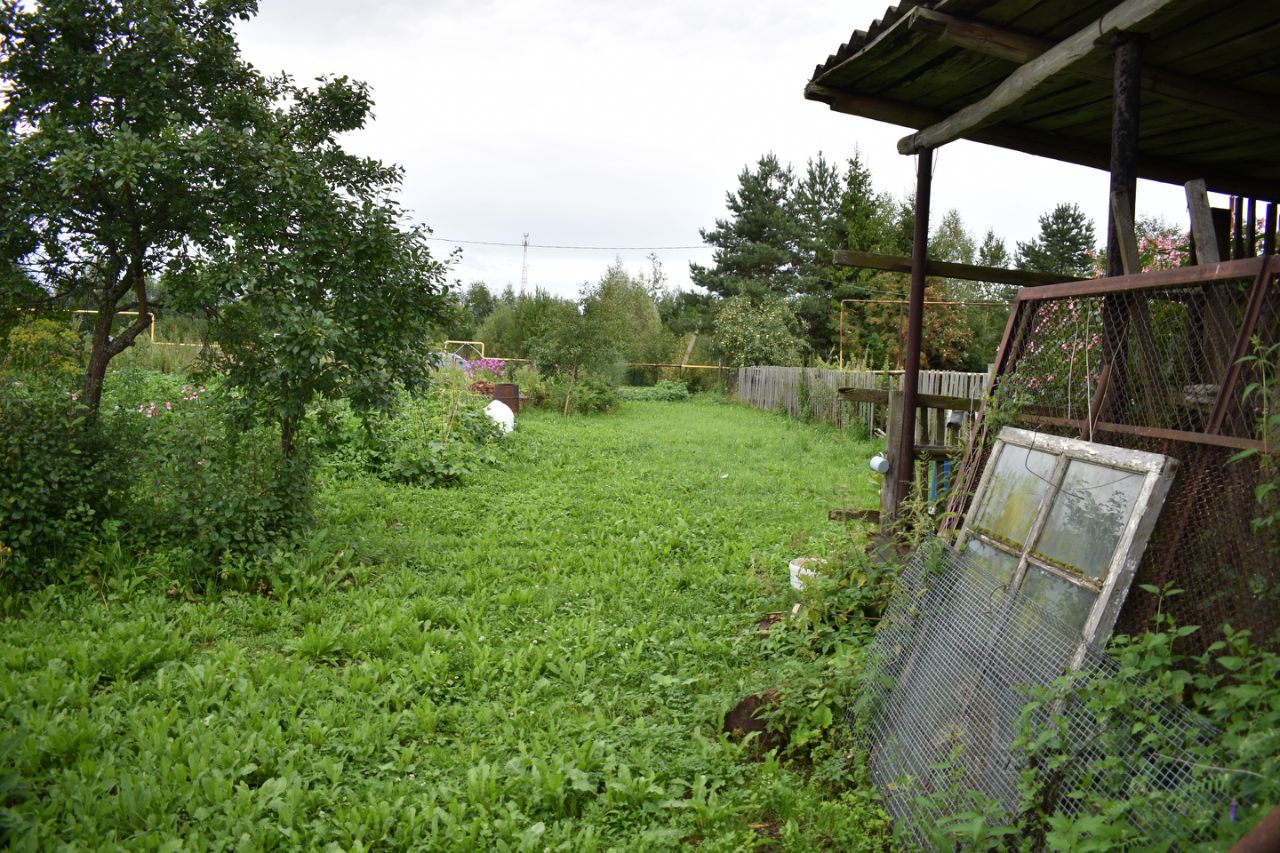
[116, 285]
[568, 394]
[99, 357]
[286, 437]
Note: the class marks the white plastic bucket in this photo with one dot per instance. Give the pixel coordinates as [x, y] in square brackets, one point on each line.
[803, 569]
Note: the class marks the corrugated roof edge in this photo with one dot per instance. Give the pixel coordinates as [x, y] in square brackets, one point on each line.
[861, 38]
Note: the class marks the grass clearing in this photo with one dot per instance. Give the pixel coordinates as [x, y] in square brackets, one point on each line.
[539, 659]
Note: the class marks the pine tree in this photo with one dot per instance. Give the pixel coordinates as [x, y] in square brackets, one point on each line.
[1065, 244]
[756, 246]
[818, 207]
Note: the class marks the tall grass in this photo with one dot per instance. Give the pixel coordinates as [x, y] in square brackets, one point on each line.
[539, 659]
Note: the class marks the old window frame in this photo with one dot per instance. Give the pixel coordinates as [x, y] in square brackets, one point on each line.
[1157, 471]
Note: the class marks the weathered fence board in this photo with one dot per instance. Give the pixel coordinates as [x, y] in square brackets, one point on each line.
[781, 387]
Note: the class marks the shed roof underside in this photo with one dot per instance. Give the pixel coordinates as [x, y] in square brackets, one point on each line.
[1210, 98]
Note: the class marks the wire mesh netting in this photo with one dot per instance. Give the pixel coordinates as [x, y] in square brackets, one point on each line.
[1150, 370]
[949, 674]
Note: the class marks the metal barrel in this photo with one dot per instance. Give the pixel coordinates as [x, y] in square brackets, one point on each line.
[509, 393]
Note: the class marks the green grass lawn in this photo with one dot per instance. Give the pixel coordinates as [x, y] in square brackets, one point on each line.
[540, 659]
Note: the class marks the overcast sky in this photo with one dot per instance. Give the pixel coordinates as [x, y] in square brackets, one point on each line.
[607, 123]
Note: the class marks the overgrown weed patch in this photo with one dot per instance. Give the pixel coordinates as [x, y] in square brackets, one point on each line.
[539, 659]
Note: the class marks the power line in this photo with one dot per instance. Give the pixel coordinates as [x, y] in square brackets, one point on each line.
[584, 248]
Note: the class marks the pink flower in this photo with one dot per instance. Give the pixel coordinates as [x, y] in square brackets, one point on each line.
[168, 407]
[200, 461]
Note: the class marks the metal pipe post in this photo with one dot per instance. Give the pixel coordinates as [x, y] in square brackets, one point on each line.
[904, 459]
[1126, 108]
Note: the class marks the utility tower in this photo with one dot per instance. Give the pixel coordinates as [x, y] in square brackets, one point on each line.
[524, 266]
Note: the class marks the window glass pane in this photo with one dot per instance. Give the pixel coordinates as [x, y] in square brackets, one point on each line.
[1068, 602]
[1089, 513]
[1016, 487]
[1000, 564]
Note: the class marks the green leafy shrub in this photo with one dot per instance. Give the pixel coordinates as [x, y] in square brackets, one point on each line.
[343, 442]
[1264, 363]
[210, 482]
[591, 395]
[666, 390]
[47, 347]
[820, 649]
[60, 477]
[435, 437]
[533, 386]
[1233, 686]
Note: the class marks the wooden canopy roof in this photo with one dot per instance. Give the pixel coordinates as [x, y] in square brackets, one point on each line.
[1036, 76]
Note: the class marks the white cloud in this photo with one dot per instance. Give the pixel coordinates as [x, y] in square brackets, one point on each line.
[621, 124]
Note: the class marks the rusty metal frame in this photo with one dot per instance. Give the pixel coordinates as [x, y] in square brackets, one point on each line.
[1261, 269]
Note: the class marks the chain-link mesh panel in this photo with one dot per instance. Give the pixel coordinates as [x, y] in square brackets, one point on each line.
[947, 681]
[1149, 370]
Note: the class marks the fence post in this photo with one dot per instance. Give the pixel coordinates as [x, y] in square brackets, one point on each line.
[889, 488]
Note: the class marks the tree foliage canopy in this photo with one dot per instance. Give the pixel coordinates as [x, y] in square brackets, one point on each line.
[117, 126]
[139, 145]
[756, 247]
[755, 332]
[317, 289]
[1064, 245]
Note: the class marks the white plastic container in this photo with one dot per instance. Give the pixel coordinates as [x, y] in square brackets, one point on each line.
[500, 413]
[804, 569]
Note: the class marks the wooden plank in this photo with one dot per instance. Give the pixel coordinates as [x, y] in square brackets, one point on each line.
[872, 515]
[1203, 234]
[1021, 48]
[879, 397]
[1126, 236]
[1129, 15]
[1226, 271]
[947, 269]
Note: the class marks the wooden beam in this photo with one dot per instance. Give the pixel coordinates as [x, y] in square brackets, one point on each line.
[1125, 233]
[1021, 48]
[1226, 271]
[1055, 146]
[947, 269]
[1203, 235]
[904, 463]
[880, 397]
[1129, 15]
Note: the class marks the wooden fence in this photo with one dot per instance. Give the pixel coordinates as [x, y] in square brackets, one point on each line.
[795, 388]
